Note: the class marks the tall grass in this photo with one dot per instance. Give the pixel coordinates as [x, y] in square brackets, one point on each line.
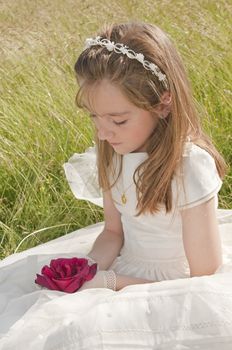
[40, 125]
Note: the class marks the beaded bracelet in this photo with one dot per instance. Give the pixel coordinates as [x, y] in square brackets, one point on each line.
[110, 279]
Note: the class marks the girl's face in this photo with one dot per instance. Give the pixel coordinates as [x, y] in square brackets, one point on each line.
[118, 121]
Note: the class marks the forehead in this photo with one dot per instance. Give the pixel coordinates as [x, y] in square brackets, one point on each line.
[104, 97]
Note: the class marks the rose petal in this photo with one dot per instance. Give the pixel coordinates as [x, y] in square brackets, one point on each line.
[44, 281]
[74, 285]
[54, 263]
[63, 283]
[79, 280]
[57, 263]
[60, 271]
[92, 272]
[48, 272]
[68, 270]
[82, 262]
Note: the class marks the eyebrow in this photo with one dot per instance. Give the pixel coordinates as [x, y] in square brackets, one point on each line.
[114, 114]
[117, 113]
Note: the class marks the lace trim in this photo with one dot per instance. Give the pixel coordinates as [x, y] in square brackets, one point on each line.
[199, 325]
[110, 280]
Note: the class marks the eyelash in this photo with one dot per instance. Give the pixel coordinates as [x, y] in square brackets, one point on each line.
[120, 123]
[92, 116]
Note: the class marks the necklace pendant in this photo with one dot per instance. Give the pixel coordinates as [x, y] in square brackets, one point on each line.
[123, 198]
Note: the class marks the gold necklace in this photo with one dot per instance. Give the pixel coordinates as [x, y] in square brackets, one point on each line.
[123, 195]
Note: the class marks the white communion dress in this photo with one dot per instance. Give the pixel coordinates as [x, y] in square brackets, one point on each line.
[175, 312]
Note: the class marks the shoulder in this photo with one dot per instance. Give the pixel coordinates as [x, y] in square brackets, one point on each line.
[197, 179]
[82, 176]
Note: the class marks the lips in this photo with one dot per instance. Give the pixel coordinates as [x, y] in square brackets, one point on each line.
[114, 144]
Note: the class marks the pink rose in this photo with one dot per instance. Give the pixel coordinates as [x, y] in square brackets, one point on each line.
[66, 275]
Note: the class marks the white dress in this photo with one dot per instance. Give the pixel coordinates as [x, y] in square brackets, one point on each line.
[176, 312]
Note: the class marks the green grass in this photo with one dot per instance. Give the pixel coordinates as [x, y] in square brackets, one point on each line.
[40, 125]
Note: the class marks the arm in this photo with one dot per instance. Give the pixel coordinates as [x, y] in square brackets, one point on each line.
[100, 280]
[201, 238]
[123, 281]
[109, 243]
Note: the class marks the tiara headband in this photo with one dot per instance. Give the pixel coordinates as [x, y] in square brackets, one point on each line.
[120, 48]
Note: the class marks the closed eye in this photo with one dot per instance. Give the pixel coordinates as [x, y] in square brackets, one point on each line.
[92, 116]
[120, 123]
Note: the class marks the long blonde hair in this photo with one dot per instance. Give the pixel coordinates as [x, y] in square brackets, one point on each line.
[143, 89]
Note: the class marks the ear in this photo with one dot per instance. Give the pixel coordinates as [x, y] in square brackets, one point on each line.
[164, 107]
[166, 98]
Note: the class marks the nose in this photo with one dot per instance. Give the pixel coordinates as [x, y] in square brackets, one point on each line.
[104, 134]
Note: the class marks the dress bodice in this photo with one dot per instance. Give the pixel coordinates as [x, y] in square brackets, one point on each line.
[153, 246]
[155, 240]
[154, 236]
[149, 239]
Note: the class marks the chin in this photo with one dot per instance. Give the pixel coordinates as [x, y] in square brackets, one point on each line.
[121, 152]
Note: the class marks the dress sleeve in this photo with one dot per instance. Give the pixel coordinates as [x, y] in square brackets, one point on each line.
[82, 177]
[197, 180]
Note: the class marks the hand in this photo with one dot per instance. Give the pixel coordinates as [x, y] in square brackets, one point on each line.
[91, 261]
[102, 279]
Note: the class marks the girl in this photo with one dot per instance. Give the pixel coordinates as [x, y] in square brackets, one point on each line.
[160, 176]
[149, 142]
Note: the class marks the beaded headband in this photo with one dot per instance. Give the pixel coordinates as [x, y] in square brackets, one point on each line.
[120, 48]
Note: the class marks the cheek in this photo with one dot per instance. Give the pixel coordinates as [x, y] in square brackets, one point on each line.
[150, 127]
[136, 136]
[144, 131]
